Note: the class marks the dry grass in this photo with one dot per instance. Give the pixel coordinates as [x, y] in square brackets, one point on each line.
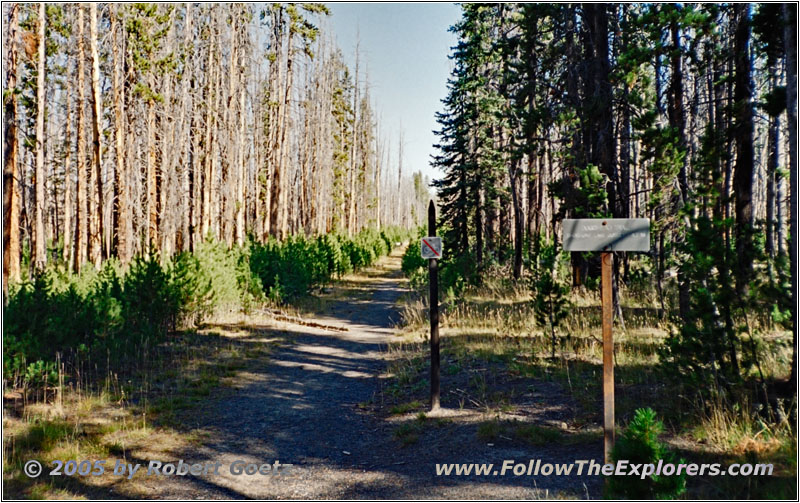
[135, 418]
[494, 328]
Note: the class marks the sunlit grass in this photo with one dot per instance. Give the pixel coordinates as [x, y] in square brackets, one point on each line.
[489, 335]
[142, 417]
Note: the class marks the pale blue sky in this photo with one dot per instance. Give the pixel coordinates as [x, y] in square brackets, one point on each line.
[405, 47]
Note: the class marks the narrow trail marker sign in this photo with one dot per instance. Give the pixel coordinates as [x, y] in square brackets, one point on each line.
[431, 248]
[607, 235]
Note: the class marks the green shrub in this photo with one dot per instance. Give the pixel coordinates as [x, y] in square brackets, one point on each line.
[412, 261]
[251, 291]
[149, 303]
[219, 265]
[293, 267]
[111, 314]
[640, 445]
[192, 289]
[550, 300]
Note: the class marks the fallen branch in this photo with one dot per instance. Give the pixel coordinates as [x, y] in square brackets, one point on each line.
[281, 316]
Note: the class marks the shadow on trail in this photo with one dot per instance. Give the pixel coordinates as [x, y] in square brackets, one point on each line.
[308, 406]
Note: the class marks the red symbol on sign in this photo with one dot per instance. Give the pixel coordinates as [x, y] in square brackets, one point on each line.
[431, 247]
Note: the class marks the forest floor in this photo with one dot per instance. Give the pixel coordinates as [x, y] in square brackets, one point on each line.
[328, 401]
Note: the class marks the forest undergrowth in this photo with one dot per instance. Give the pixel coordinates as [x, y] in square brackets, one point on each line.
[109, 364]
[493, 337]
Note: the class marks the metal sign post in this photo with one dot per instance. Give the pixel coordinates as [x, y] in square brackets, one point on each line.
[431, 248]
[607, 235]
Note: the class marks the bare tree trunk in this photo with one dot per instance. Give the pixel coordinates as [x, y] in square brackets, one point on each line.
[96, 200]
[773, 151]
[398, 219]
[378, 168]
[152, 201]
[166, 179]
[351, 217]
[11, 270]
[205, 226]
[231, 163]
[40, 248]
[284, 151]
[81, 224]
[186, 138]
[66, 252]
[240, 178]
[743, 176]
[790, 38]
[214, 179]
[122, 212]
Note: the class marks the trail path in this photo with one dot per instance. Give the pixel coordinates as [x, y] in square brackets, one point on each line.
[304, 406]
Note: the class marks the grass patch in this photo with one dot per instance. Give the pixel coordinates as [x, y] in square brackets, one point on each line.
[404, 408]
[141, 418]
[495, 360]
[533, 434]
[408, 433]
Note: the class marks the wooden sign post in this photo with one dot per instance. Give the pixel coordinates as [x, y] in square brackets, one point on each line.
[608, 354]
[607, 235]
[431, 249]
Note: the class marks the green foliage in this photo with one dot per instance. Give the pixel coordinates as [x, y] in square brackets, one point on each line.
[640, 445]
[456, 271]
[193, 288]
[97, 312]
[705, 347]
[593, 193]
[413, 265]
[219, 267]
[109, 312]
[550, 300]
[149, 302]
[291, 268]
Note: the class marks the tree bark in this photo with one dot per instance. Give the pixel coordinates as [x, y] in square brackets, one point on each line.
[743, 131]
[773, 152]
[11, 269]
[790, 38]
[205, 226]
[152, 189]
[284, 126]
[122, 228]
[96, 227]
[81, 212]
[186, 138]
[67, 250]
[39, 240]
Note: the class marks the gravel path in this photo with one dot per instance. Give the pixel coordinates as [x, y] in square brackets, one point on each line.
[305, 406]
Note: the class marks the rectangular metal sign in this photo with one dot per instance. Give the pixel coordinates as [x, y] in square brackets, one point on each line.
[606, 234]
[431, 247]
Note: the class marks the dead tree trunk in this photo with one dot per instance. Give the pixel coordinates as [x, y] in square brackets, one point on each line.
[11, 270]
[81, 224]
[40, 246]
[96, 228]
[121, 212]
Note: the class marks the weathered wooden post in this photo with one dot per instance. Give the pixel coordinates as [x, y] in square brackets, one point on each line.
[607, 235]
[431, 249]
[608, 354]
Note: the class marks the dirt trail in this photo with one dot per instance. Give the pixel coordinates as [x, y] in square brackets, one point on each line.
[304, 406]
